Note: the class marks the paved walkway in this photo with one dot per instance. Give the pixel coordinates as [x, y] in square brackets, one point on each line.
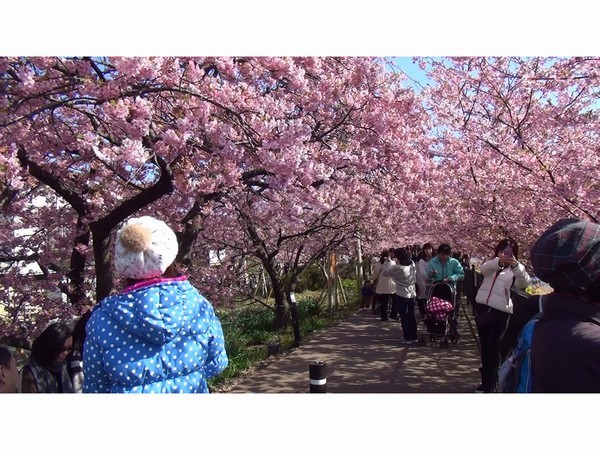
[365, 355]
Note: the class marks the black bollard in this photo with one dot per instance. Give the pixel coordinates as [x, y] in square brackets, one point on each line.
[317, 371]
[295, 320]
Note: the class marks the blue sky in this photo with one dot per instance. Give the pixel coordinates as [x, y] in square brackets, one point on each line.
[411, 70]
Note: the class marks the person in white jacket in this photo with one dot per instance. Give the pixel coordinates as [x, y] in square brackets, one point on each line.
[494, 306]
[384, 287]
[404, 275]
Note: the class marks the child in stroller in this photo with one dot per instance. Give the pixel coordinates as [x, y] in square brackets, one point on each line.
[441, 313]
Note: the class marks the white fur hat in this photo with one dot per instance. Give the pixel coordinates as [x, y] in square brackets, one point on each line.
[145, 248]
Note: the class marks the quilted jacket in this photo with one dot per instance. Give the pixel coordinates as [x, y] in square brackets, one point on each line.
[452, 270]
[156, 336]
[496, 285]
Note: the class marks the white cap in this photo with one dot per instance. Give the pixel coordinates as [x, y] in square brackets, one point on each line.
[145, 248]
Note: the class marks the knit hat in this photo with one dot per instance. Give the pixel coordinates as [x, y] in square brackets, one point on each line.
[145, 248]
[567, 255]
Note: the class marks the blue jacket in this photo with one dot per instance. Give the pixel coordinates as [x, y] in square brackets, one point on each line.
[452, 270]
[160, 336]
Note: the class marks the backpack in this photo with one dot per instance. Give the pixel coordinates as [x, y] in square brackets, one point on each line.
[514, 375]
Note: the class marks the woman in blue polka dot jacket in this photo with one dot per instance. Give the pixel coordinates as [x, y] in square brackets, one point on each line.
[157, 335]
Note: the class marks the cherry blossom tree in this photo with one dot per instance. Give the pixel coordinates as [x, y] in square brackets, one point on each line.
[305, 182]
[275, 161]
[276, 154]
[516, 143]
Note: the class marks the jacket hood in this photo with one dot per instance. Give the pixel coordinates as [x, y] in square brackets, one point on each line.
[155, 313]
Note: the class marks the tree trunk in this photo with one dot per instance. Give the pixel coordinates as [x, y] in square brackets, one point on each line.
[103, 263]
[186, 243]
[278, 293]
[76, 292]
[192, 226]
[280, 309]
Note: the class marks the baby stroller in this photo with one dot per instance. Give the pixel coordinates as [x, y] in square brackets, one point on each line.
[441, 315]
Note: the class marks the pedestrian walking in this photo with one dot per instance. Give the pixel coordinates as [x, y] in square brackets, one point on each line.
[445, 268]
[384, 287]
[404, 275]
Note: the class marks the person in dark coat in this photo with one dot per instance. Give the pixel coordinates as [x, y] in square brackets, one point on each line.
[565, 349]
[46, 369]
[9, 375]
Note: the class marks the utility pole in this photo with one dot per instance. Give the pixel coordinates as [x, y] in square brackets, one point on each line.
[359, 267]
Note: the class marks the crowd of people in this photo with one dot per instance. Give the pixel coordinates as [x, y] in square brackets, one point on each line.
[159, 334]
[565, 352]
[403, 277]
[422, 266]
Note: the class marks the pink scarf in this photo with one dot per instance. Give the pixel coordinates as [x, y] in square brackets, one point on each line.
[150, 282]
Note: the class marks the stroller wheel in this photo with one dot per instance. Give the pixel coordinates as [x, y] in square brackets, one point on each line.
[444, 343]
[422, 341]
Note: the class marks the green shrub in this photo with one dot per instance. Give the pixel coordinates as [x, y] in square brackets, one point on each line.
[312, 279]
[350, 288]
